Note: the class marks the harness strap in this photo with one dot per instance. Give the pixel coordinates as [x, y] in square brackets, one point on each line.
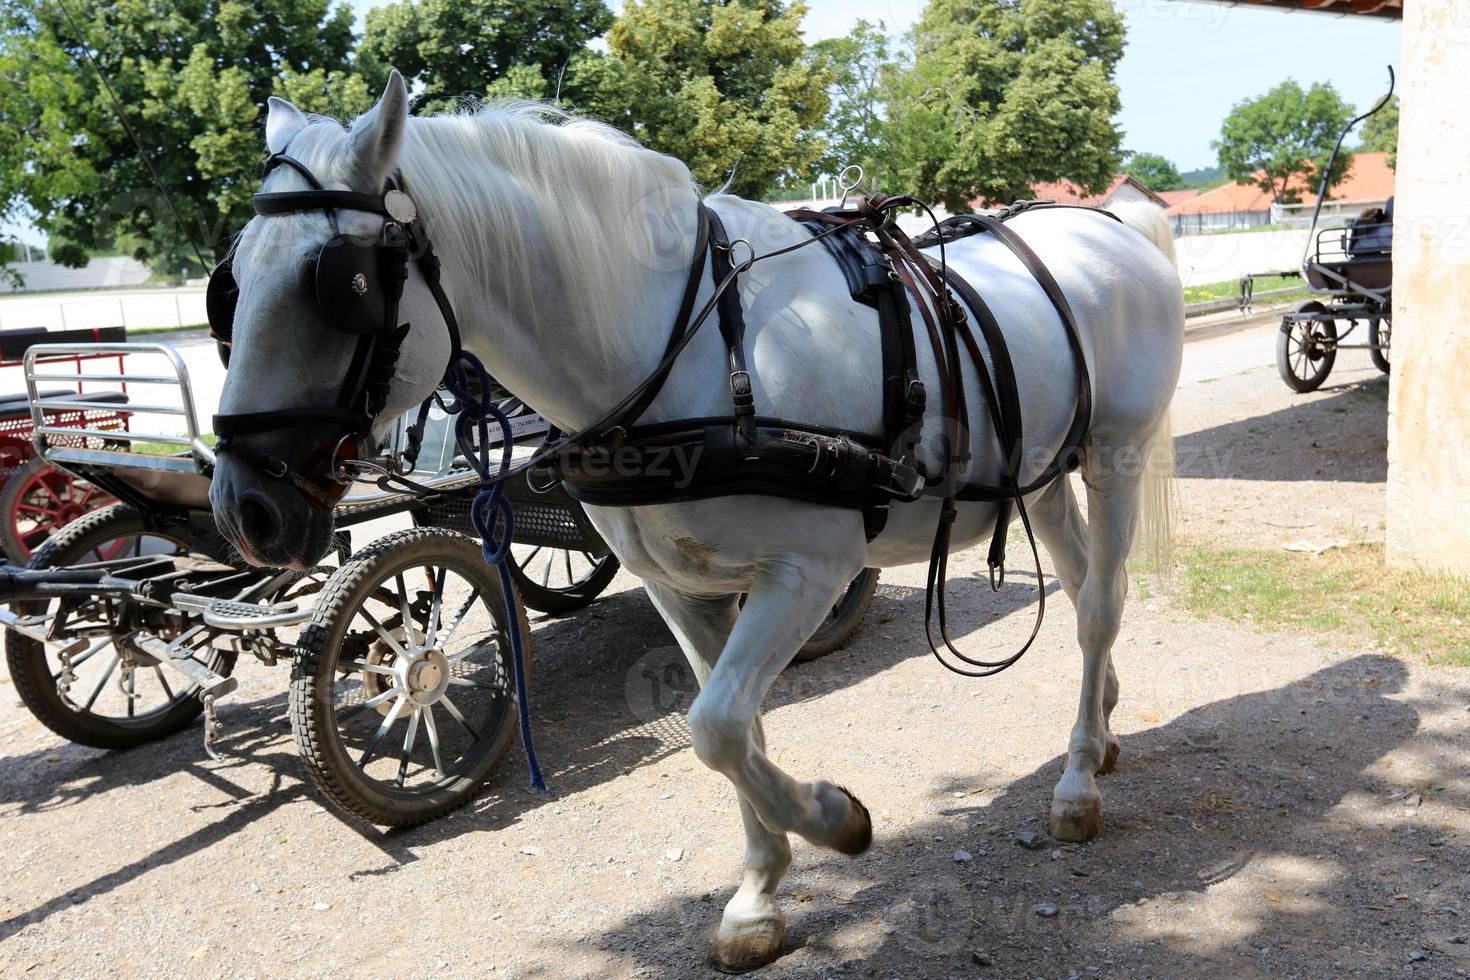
[732, 328]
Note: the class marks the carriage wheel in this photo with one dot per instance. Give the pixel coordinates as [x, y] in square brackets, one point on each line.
[38, 501]
[118, 696]
[559, 580]
[843, 620]
[1379, 332]
[1306, 349]
[402, 693]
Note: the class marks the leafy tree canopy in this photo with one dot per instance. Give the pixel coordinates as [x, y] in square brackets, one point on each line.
[1155, 172]
[192, 76]
[1281, 139]
[853, 130]
[1381, 132]
[452, 49]
[724, 85]
[998, 97]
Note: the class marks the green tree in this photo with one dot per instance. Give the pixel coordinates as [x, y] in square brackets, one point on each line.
[998, 97]
[724, 85]
[1280, 140]
[192, 76]
[853, 129]
[453, 49]
[1381, 132]
[1155, 172]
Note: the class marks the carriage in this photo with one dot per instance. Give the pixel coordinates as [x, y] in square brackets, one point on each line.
[129, 622]
[36, 497]
[1350, 271]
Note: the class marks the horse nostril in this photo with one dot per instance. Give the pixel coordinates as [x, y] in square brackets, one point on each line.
[259, 520]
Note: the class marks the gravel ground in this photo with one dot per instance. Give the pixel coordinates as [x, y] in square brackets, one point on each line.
[1285, 804]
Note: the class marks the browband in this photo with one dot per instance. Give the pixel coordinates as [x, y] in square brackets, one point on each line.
[290, 202]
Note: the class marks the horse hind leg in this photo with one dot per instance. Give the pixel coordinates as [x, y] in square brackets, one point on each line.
[1059, 525]
[1112, 506]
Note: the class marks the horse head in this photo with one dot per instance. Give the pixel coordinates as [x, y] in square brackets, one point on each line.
[313, 305]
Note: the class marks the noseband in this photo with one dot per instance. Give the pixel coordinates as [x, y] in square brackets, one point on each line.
[358, 282]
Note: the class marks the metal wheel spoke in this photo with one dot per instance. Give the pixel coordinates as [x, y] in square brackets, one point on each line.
[393, 644]
[388, 721]
[413, 730]
[87, 654]
[436, 607]
[466, 682]
[432, 730]
[455, 714]
[363, 665]
[168, 691]
[116, 659]
[408, 629]
[464, 611]
[567, 557]
[546, 575]
[371, 702]
[455, 658]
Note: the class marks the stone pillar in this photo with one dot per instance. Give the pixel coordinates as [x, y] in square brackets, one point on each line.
[1429, 393]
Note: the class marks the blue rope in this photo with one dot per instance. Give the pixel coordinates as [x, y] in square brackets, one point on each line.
[472, 435]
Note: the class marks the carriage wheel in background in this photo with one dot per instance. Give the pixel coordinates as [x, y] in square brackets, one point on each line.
[1379, 332]
[559, 580]
[118, 696]
[843, 620]
[1306, 349]
[38, 501]
[402, 693]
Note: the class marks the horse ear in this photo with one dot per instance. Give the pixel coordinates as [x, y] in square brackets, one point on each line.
[377, 134]
[282, 121]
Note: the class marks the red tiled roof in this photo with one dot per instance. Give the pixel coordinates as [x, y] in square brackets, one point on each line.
[1066, 192]
[1368, 179]
[1171, 198]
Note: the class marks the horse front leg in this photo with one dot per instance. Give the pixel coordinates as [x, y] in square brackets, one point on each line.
[1112, 517]
[752, 927]
[789, 597]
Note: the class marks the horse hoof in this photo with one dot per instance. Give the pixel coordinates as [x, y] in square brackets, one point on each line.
[856, 833]
[1110, 756]
[747, 946]
[1076, 821]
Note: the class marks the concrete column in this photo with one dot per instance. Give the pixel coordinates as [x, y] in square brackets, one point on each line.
[1429, 393]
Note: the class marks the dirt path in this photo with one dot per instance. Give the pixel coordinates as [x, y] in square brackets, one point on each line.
[1285, 804]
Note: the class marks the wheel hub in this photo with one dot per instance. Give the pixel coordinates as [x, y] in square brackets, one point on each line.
[424, 674]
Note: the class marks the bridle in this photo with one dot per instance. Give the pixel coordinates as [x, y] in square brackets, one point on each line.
[358, 282]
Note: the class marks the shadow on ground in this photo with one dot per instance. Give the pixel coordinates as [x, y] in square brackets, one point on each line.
[1258, 834]
[1340, 436]
[609, 694]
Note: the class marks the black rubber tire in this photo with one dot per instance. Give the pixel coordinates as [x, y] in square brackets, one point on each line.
[17, 549]
[315, 672]
[580, 595]
[1380, 332]
[843, 620]
[27, 658]
[1287, 338]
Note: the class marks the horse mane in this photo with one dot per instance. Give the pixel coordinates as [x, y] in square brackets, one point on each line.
[544, 207]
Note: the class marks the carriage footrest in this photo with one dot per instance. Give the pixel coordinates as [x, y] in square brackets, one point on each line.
[182, 660]
[227, 614]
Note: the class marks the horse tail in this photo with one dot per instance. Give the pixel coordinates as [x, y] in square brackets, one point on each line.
[1149, 221]
[1152, 543]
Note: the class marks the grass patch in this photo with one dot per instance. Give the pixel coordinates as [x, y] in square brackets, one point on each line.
[141, 331]
[1345, 590]
[146, 448]
[1230, 288]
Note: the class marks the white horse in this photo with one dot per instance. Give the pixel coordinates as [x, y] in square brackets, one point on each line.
[565, 249]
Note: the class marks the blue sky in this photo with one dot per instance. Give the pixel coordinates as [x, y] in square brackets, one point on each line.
[1186, 63]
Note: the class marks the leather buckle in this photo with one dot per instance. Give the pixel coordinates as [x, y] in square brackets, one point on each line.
[904, 480]
[915, 397]
[742, 393]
